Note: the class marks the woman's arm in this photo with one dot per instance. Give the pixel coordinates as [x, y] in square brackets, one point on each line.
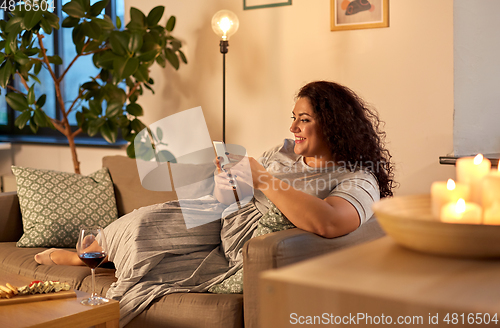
[331, 217]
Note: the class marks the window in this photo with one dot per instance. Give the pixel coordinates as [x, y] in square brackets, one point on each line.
[60, 43]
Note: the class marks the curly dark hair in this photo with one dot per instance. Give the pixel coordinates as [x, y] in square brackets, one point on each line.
[352, 130]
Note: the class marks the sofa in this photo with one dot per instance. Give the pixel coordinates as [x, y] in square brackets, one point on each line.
[266, 252]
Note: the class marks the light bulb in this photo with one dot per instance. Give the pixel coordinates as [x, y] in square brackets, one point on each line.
[225, 23]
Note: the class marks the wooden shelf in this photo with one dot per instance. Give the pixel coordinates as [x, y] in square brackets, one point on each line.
[376, 278]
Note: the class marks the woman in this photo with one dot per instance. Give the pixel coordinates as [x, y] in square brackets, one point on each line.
[324, 181]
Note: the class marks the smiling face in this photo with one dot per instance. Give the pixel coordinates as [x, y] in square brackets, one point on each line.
[309, 139]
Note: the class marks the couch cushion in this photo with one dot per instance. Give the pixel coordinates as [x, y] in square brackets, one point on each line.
[21, 261]
[192, 310]
[54, 205]
[130, 194]
[190, 180]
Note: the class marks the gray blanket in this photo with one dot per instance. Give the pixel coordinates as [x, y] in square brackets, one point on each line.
[154, 254]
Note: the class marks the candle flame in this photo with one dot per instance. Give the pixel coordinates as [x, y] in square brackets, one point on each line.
[498, 165]
[450, 185]
[460, 208]
[478, 159]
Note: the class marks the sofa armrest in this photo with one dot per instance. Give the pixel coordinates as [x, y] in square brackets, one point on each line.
[11, 224]
[282, 248]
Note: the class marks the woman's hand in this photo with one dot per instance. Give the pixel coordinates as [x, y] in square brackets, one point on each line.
[223, 180]
[225, 184]
[247, 170]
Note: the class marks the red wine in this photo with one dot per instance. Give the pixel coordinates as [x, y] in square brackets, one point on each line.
[92, 259]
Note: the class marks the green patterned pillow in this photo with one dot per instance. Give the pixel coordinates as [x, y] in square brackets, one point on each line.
[272, 221]
[54, 205]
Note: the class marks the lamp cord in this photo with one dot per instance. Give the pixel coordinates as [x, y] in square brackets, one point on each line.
[224, 97]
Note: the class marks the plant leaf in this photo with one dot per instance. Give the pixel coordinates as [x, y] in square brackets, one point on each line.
[74, 9]
[135, 42]
[113, 109]
[70, 21]
[130, 67]
[56, 60]
[22, 119]
[85, 4]
[142, 73]
[33, 125]
[39, 118]
[95, 125]
[78, 37]
[183, 57]
[34, 77]
[118, 67]
[38, 67]
[149, 55]
[31, 95]
[41, 101]
[95, 107]
[131, 150]
[172, 58]
[47, 28]
[92, 29]
[135, 109]
[6, 71]
[118, 22]
[170, 24]
[155, 15]
[98, 7]
[159, 133]
[166, 156]
[13, 24]
[108, 133]
[104, 23]
[137, 125]
[16, 101]
[119, 42]
[137, 17]
[53, 19]
[105, 59]
[161, 60]
[21, 58]
[32, 18]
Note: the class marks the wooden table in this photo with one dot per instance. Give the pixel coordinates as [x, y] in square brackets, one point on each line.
[381, 279]
[60, 313]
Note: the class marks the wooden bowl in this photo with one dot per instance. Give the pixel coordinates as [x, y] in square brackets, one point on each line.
[409, 221]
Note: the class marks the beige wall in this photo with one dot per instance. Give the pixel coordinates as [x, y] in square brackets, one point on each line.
[405, 71]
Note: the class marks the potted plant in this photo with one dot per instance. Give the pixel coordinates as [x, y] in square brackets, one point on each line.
[123, 56]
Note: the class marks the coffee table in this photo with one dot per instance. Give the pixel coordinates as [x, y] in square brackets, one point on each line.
[58, 313]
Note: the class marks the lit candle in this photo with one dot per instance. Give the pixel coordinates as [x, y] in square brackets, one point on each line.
[491, 188]
[461, 212]
[491, 197]
[443, 193]
[492, 214]
[471, 171]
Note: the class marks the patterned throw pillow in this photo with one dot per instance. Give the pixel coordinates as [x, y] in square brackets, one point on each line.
[272, 221]
[54, 205]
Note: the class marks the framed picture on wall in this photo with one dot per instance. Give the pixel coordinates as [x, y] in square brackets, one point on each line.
[359, 14]
[255, 4]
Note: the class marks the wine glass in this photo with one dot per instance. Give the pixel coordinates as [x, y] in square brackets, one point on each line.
[92, 250]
